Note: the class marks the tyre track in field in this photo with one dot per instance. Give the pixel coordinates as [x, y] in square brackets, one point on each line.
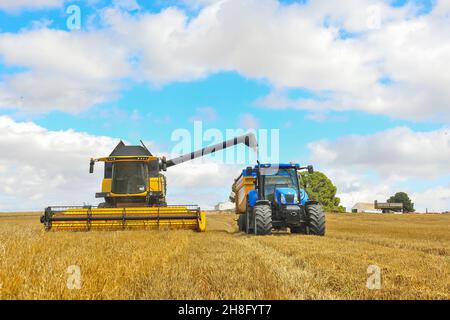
[297, 281]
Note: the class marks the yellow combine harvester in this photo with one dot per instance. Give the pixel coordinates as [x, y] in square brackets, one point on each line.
[134, 190]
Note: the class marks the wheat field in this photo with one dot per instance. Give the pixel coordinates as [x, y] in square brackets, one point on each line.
[413, 253]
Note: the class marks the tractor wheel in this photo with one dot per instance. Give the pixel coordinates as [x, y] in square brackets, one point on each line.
[247, 223]
[241, 222]
[316, 217]
[263, 220]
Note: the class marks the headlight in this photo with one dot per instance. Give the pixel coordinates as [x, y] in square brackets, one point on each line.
[283, 199]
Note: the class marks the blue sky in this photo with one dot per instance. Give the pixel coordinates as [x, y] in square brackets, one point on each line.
[340, 101]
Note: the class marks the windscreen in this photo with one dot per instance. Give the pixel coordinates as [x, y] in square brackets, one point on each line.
[129, 178]
[283, 178]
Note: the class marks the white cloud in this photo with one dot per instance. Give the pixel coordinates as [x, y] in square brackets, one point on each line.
[374, 167]
[434, 199]
[42, 167]
[289, 46]
[39, 168]
[394, 152]
[15, 5]
[67, 71]
[202, 182]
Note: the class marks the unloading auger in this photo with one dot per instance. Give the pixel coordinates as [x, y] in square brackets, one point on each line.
[134, 192]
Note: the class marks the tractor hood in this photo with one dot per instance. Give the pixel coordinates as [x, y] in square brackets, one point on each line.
[286, 196]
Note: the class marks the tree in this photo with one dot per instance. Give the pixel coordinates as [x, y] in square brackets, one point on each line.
[402, 197]
[320, 188]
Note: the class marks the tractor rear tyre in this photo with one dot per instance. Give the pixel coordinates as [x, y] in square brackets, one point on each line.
[316, 220]
[241, 222]
[263, 220]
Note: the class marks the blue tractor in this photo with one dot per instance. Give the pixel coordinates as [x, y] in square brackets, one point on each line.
[272, 197]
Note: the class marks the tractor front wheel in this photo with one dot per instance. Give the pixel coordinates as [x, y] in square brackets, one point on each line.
[316, 220]
[263, 220]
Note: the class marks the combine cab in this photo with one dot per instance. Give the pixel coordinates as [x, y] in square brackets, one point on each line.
[134, 193]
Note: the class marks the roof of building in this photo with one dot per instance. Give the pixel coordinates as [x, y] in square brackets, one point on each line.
[388, 205]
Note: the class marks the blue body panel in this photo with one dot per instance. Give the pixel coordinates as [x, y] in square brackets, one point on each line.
[304, 198]
[281, 193]
[252, 198]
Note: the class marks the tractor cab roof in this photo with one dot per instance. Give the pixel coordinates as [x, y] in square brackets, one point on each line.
[274, 166]
[279, 165]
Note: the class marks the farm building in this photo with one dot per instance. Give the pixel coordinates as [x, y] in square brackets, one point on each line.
[377, 207]
[362, 207]
[389, 207]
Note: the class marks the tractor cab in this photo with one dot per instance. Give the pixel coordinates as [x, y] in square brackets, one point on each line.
[275, 199]
[278, 184]
[132, 178]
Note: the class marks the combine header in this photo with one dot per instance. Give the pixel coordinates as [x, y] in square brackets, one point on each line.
[134, 192]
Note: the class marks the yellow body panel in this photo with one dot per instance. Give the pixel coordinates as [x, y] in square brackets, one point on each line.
[154, 184]
[243, 186]
[127, 159]
[106, 185]
[153, 218]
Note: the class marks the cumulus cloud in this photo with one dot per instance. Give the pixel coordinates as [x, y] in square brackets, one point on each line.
[40, 167]
[334, 50]
[67, 71]
[434, 199]
[394, 152]
[299, 51]
[15, 5]
[205, 183]
[374, 167]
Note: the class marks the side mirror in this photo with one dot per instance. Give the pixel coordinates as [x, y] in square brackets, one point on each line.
[310, 169]
[91, 166]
